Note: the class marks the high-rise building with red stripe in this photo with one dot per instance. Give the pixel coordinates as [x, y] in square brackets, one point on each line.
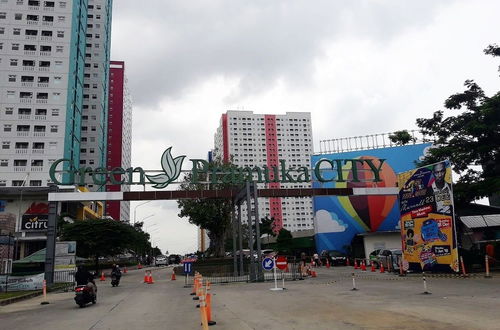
[248, 139]
[119, 137]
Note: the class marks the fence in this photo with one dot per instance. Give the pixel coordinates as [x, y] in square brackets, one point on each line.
[252, 272]
[63, 279]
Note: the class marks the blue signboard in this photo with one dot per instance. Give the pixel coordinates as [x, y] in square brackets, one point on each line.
[268, 263]
[188, 267]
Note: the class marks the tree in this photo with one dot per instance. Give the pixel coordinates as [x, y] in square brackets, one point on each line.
[471, 137]
[284, 241]
[402, 137]
[213, 215]
[101, 237]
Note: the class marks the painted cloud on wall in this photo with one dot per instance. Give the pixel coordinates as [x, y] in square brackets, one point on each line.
[325, 223]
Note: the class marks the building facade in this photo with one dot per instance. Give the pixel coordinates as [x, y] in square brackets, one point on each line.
[42, 58]
[248, 139]
[94, 127]
[119, 138]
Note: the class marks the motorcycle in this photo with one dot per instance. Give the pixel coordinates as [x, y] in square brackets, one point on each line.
[115, 279]
[84, 295]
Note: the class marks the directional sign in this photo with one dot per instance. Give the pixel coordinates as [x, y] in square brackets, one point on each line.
[268, 263]
[188, 267]
[281, 262]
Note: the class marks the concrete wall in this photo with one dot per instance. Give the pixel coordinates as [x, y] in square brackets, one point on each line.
[382, 241]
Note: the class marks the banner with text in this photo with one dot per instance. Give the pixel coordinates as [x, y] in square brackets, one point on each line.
[427, 221]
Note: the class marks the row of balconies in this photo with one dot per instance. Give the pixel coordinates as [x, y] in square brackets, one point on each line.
[33, 151]
[31, 84]
[34, 53]
[42, 38]
[35, 117]
[32, 168]
[32, 68]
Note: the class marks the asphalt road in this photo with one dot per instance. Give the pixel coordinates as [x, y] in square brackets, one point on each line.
[326, 302]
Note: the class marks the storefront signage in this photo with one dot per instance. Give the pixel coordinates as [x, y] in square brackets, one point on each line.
[34, 222]
[326, 170]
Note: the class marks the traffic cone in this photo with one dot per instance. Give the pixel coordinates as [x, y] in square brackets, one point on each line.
[146, 277]
[125, 270]
[173, 275]
[382, 270]
[150, 280]
[356, 264]
[363, 266]
[373, 266]
[313, 273]
[348, 262]
[209, 306]
[139, 266]
[327, 263]
[103, 278]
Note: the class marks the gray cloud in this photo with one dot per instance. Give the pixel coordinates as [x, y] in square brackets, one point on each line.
[180, 43]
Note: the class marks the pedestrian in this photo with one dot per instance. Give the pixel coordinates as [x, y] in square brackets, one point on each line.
[317, 262]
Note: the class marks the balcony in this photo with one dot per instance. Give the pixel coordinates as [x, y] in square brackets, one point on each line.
[43, 84]
[39, 134]
[45, 53]
[30, 52]
[21, 151]
[32, 22]
[27, 84]
[38, 151]
[41, 100]
[33, 8]
[28, 68]
[36, 168]
[44, 68]
[46, 38]
[40, 117]
[24, 117]
[19, 168]
[25, 100]
[23, 133]
[47, 23]
[30, 37]
[48, 8]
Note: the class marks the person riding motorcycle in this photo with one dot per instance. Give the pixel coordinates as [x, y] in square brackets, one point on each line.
[116, 273]
[84, 277]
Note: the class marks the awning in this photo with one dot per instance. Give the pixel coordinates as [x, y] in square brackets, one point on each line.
[481, 221]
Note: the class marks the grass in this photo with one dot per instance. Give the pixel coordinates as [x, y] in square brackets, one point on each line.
[6, 295]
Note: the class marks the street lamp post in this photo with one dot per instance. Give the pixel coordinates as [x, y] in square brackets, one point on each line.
[135, 208]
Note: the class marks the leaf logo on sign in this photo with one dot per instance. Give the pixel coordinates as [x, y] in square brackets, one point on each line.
[172, 168]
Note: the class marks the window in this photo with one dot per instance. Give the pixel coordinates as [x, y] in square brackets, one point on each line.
[3, 183]
[3, 15]
[61, 18]
[39, 128]
[16, 32]
[4, 162]
[17, 183]
[38, 145]
[6, 145]
[9, 111]
[37, 162]
[2, 30]
[18, 17]
[7, 128]
[20, 162]
[35, 183]
[55, 112]
[22, 145]
[16, 47]
[57, 80]
[62, 4]
[12, 78]
[53, 128]
[59, 49]
[60, 34]
[13, 62]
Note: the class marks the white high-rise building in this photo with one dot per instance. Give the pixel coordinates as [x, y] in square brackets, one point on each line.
[42, 54]
[248, 139]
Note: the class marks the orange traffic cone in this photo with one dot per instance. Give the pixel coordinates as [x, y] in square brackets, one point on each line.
[146, 277]
[313, 273]
[356, 264]
[348, 262]
[150, 280]
[363, 266]
[139, 266]
[125, 270]
[103, 278]
[382, 270]
[327, 263]
[373, 266]
[209, 306]
[173, 275]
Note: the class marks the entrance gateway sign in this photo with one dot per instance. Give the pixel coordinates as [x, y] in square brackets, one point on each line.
[326, 170]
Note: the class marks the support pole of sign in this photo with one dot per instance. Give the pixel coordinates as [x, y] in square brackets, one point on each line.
[250, 231]
[283, 279]
[257, 229]
[275, 278]
[50, 252]
[240, 239]
[233, 222]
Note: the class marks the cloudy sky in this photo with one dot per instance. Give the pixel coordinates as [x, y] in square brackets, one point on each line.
[359, 67]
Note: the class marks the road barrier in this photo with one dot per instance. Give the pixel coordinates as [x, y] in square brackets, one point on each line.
[205, 298]
[353, 283]
[425, 284]
[487, 264]
[464, 273]
[44, 291]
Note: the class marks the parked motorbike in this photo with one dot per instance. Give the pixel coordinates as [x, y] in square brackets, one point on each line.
[83, 296]
[115, 279]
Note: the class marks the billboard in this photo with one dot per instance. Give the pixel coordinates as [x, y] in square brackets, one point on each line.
[427, 222]
[337, 219]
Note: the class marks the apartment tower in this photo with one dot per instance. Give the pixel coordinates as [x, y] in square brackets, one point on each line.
[119, 138]
[248, 139]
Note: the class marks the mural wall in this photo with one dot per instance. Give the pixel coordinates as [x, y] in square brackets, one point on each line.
[339, 218]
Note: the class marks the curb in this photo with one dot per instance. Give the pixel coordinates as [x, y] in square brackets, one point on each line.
[9, 301]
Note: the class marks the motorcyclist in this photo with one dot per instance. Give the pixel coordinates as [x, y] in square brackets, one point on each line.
[84, 277]
[116, 271]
